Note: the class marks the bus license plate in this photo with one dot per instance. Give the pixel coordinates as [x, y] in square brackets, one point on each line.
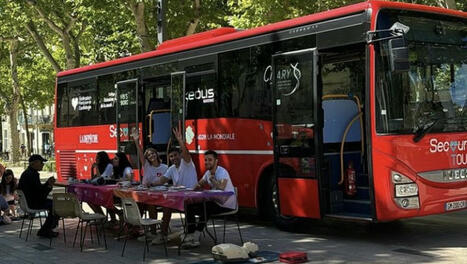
[456, 205]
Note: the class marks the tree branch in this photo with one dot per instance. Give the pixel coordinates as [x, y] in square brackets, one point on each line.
[195, 21]
[41, 12]
[35, 35]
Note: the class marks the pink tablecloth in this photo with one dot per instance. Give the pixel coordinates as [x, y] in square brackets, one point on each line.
[175, 200]
[98, 195]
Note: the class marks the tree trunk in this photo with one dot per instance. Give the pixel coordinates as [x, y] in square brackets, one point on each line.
[195, 21]
[451, 4]
[26, 125]
[141, 28]
[69, 54]
[13, 107]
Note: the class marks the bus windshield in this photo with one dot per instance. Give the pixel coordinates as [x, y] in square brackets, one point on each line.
[433, 93]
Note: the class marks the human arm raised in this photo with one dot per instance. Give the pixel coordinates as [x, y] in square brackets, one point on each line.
[184, 151]
[135, 136]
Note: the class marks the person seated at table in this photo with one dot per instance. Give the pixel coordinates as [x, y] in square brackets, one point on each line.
[182, 172]
[153, 169]
[102, 167]
[217, 178]
[36, 193]
[4, 218]
[122, 170]
[8, 187]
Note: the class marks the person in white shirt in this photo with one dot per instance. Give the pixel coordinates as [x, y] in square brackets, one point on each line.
[153, 170]
[217, 178]
[182, 173]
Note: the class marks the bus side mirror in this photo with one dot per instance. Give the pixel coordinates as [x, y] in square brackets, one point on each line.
[398, 55]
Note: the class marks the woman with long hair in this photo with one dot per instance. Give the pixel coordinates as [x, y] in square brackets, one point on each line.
[153, 168]
[8, 187]
[122, 170]
[103, 166]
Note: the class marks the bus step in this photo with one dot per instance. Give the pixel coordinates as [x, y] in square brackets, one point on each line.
[363, 193]
[350, 216]
[362, 179]
[357, 206]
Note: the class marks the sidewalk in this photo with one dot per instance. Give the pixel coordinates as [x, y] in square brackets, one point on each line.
[16, 250]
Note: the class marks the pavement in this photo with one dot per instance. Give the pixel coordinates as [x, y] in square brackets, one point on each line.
[432, 239]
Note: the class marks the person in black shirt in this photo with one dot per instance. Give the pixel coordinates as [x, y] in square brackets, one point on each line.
[36, 193]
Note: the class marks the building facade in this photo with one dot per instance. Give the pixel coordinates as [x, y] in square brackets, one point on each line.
[40, 122]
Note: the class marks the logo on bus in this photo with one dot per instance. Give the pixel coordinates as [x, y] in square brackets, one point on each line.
[89, 139]
[453, 146]
[123, 132]
[207, 95]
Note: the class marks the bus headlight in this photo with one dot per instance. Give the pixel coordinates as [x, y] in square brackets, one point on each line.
[399, 178]
[405, 191]
[408, 189]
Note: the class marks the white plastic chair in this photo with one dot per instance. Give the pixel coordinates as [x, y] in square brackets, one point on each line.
[63, 207]
[30, 213]
[132, 216]
[233, 212]
[88, 218]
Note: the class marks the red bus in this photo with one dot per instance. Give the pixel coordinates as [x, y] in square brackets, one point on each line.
[356, 112]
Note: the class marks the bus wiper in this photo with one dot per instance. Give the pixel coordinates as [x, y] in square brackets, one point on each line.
[422, 130]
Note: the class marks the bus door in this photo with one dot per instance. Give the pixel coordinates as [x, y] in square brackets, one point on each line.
[157, 126]
[127, 118]
[296, 133]
[178, 102]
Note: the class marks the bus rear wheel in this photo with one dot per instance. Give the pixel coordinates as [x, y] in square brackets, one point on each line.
[286, 223]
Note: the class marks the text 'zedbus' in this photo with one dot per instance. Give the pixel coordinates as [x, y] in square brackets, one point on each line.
[358, 112]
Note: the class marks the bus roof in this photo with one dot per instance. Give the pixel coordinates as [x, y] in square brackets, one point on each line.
[228, 34]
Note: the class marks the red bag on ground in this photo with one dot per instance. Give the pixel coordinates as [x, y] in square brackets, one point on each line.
[293, 257]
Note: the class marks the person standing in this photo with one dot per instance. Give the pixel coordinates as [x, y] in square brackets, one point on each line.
[23, 150]
[36, 193]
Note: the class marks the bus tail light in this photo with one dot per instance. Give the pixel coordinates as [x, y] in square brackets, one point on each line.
[405, 191]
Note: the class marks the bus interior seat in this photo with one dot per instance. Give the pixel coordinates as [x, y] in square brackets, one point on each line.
[161, 128]
[337, 115]
[160, 115]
